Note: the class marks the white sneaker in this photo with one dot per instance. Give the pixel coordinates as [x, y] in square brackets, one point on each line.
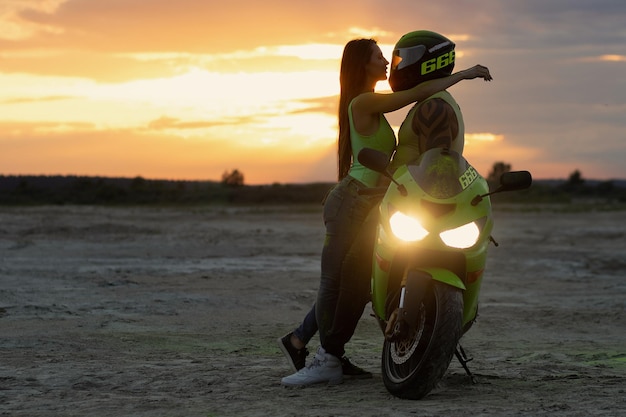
[324, 368]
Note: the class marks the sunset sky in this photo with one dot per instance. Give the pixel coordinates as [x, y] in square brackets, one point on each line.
[188, 89]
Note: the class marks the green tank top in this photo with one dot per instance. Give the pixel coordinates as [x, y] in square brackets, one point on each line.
[384, 139]
[408, 142]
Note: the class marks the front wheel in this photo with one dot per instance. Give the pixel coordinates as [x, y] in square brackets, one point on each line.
[414, 364]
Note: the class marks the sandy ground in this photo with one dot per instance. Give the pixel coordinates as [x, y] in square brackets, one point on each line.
[175, 312]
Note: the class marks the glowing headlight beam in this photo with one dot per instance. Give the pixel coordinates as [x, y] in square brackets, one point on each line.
[462, 237]
[407, 228]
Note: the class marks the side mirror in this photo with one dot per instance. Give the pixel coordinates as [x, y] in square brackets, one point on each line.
[509, 181]
[374, 160]
[378, 161]
[515, 180]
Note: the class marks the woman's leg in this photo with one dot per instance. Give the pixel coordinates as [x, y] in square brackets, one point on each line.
[307, 328]
[345, 212]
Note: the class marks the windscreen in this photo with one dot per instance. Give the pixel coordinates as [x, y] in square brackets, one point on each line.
[442, 173]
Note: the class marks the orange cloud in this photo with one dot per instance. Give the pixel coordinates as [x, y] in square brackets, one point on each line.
[604, 58]
[613, 58]
[14, 24]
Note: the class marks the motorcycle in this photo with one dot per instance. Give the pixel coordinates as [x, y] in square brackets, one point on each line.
[433, 228]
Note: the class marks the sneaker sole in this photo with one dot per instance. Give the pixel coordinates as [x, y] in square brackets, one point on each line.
[286, 353]
[329, 382]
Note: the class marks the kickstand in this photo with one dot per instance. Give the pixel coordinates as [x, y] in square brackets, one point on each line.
[463, 359]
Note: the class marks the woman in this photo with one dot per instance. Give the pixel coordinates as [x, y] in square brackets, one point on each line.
[361, 124]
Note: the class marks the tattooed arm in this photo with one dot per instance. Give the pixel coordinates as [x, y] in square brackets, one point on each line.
[435, 123]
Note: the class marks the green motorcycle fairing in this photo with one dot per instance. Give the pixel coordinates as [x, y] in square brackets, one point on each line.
[440, 188]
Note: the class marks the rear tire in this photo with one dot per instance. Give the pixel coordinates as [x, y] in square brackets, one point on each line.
[413, 366]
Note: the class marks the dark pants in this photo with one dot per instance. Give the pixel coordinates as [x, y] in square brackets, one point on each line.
[308, 327]
[343, 293]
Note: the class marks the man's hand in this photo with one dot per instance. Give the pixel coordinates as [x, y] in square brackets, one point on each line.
[477, 71]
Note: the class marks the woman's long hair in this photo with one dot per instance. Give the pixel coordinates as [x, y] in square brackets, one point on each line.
[352, 78]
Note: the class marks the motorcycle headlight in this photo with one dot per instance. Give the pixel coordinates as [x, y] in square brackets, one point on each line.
[406, 228]
[462, 237]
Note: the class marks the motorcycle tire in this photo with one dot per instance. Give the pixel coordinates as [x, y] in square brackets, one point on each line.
[412, 366]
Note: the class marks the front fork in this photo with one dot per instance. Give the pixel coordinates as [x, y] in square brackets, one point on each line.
[406, 316]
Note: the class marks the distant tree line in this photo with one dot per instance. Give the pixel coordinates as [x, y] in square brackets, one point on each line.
[34, 190]
[559, 191]
[59, 190]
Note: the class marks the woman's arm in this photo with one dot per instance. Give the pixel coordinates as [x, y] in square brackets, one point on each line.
[374, 103]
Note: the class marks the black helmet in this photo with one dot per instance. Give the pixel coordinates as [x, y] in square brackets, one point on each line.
[420, 56]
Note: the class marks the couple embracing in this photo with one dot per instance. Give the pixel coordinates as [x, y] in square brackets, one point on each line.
[421, 71]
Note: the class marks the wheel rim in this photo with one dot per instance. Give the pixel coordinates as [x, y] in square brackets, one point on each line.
[402, 350]
[405, 356]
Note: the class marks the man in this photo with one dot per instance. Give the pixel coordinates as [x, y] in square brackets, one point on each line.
[436, 122]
